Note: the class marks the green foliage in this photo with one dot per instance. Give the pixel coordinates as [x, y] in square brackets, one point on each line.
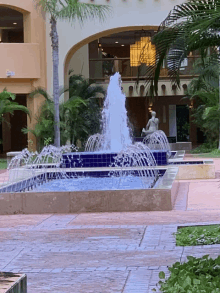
[73, 10]
[30, 145]
[87, 122]
[7, 105]
[204, 91]
[195, 275]
[198, 235]
[3, 164]
[79, 116]
[190, 26]
[206, 148]
[47, 141]
[69, 10]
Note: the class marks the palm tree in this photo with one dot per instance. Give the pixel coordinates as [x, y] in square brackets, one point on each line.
[43, 129]
[191, 26]
[87, 121]
[70, 10]
[8, 106]
[204, 91]
[194, 25]
[79, 116]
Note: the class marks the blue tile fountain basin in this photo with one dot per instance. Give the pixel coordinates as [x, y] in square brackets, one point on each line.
[100, 159]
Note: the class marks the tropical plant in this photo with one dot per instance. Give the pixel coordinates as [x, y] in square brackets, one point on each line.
[70, 10]
[44, 127]
[198, 235]
[7, 104]
[190, 26]
[89, 115]
[79, 116]
[195, 275]
[204, 91]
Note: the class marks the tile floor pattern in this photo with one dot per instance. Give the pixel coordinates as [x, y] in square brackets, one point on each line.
[105, 252]
[59, 256]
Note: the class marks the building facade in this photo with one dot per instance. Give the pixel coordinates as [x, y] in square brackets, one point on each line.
[96, 50]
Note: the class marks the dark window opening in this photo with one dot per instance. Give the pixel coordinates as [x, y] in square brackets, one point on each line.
[11, 26]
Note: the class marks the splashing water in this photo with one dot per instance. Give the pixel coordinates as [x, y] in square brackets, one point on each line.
[94, 143]
[135, 160]
[36, 166]
[133, 163]
[115, 130]
[157, 141]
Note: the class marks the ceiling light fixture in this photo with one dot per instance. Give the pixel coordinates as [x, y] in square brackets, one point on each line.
[122, 45]
[142, 51]
[14, 22]
[116, 42]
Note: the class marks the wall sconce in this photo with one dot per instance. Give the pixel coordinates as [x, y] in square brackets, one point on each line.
[184, 88]
[142, 90]
[99, 45]
[163, 87]
[130, 90]
[150, 109]
[174, 89]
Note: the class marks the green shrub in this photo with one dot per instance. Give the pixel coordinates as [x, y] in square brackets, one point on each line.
[205, 148]
[198, 235]
[3, 164]
[197, 275]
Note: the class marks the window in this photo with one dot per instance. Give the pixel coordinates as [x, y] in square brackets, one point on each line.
[11, 26]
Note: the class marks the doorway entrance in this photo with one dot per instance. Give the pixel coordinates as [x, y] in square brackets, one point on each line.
[13, 138]
[182, 123]
[179, 122]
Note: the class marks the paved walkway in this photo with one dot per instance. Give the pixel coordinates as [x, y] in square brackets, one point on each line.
[106, 252]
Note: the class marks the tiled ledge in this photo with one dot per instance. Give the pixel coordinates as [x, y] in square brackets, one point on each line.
[13, 283]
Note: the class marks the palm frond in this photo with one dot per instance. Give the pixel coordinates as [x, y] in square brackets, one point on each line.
[40, 91]
[73, 9]
[191, 26]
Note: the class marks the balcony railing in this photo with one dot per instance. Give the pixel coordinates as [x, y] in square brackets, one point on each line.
[102, 69]
[20, 59]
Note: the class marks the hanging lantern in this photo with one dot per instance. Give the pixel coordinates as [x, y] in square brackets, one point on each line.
[142, 51]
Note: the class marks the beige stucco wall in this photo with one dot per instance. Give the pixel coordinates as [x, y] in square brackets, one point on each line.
[28, 59]
[126, 15]
[80, 61]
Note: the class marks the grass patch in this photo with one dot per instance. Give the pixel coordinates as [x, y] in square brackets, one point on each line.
[213, 154]
[198, 235]
[3, 164]
[194, 276]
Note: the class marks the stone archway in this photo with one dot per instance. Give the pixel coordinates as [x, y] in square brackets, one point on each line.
[86, 41]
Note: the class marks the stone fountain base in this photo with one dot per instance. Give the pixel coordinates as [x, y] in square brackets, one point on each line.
[160, 198]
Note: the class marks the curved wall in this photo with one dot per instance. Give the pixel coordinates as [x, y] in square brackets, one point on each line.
[125, 15]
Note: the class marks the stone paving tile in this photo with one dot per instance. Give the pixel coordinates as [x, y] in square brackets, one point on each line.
[152, 235]
[84, 259]
[138, 281]
[85, 282]
[12, 221]
[147, 218]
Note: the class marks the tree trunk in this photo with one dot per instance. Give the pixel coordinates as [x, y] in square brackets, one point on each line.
[55, 53]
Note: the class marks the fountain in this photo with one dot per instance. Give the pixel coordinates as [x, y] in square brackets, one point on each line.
[157, 140]
[115, 131]
[111, 175]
